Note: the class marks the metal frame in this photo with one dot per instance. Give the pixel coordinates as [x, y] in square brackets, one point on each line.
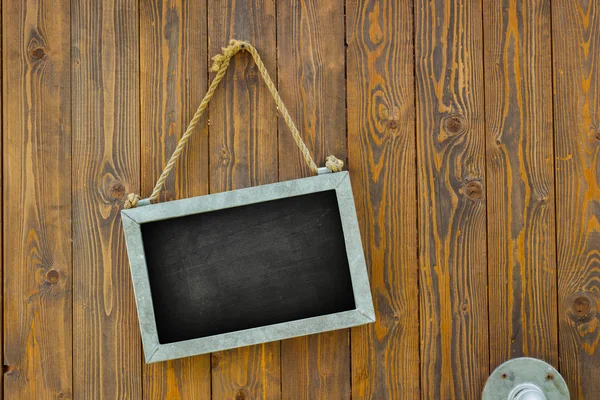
[132, 218]
[525, 378]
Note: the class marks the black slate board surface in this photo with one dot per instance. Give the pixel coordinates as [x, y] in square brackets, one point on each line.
[247, 266]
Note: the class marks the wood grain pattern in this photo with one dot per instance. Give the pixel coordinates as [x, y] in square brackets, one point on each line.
[452, 204]
[243, 152]
[576, 62]
[520, 175]
[186, 378]
[381, 161]
[1, 218]
[316, 366]
[310, 71]
[37, 200]
[106, 166]
[173, 80]
[445, 173]
[311, 81]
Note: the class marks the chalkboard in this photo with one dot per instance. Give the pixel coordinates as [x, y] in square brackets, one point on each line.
[247, 266]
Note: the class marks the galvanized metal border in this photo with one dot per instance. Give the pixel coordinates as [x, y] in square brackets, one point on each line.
[516, 375]
[132, 218]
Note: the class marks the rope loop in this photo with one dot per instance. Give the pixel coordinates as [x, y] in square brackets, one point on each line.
[220, 65]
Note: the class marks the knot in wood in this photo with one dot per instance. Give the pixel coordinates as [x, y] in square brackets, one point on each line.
[474, 190]
[116, 190]
[52, 276]
[38, 53]
[597, 135]
[454, 124]
[252, 75]
[582, 307]
[225, 156]
[241, 395]
[215, 359]
[392, 124]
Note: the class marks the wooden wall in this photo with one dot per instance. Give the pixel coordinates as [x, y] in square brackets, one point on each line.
[471, 130]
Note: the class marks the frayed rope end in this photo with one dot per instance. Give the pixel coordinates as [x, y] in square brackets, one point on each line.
[234, 47]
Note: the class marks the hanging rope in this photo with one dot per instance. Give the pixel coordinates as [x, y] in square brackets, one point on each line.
[220, 64]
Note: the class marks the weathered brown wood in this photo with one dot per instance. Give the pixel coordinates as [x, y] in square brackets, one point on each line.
[106, 147]
[576, 66]
[381, 161]
[173, 80]
[520, 176]
[316, 366]
[49, 200]
[37, 200]
[186, 378]
[1, 215]
[452, 204]
[243, 152]
[311, 79]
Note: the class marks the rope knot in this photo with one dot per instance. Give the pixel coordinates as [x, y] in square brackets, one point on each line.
[132, 200]
[228, 52]
[334, 164]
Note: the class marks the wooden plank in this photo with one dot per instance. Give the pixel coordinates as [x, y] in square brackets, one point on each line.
[105, 65]
[381, 161]
[37, 200]
[243, 152]
[576, 66]
[311, 79]
[520, 176]
[452, 204]
[173, 72]
[1, 215]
